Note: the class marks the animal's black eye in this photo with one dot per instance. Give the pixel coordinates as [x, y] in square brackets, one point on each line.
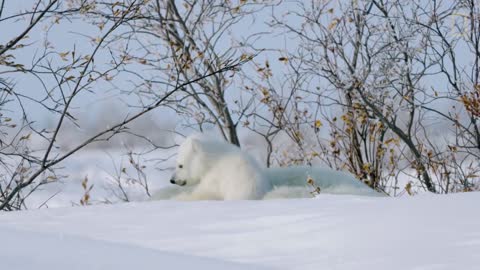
[180, 166]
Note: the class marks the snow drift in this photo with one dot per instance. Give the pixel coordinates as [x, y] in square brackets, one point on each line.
[329, 232]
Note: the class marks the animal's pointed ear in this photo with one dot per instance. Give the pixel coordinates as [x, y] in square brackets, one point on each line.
[196, 145]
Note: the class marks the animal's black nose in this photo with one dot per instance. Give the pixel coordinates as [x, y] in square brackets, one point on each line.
[172, 181]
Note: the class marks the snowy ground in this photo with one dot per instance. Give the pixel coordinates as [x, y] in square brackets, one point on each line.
[330, 232]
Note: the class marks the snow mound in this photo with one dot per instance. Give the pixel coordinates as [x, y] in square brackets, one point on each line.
[329, 232]
[52, 251]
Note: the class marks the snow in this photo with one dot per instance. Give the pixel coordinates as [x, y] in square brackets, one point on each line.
[329, 232]
[29, 250]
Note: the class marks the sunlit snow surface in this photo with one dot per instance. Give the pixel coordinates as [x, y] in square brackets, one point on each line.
[329, 232]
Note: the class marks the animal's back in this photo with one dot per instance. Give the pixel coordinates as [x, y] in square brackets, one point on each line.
[329, 180]
[213, 145]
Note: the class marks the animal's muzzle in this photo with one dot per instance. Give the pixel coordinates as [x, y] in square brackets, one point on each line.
[178, 182]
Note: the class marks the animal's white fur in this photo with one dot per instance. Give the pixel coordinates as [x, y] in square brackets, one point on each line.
[329, 180]
[213, 170]
[220, 171]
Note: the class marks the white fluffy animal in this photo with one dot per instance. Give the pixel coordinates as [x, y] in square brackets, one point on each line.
[213, 170]
[219, 171]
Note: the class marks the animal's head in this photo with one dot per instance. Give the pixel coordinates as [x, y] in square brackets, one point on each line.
[190, 163]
